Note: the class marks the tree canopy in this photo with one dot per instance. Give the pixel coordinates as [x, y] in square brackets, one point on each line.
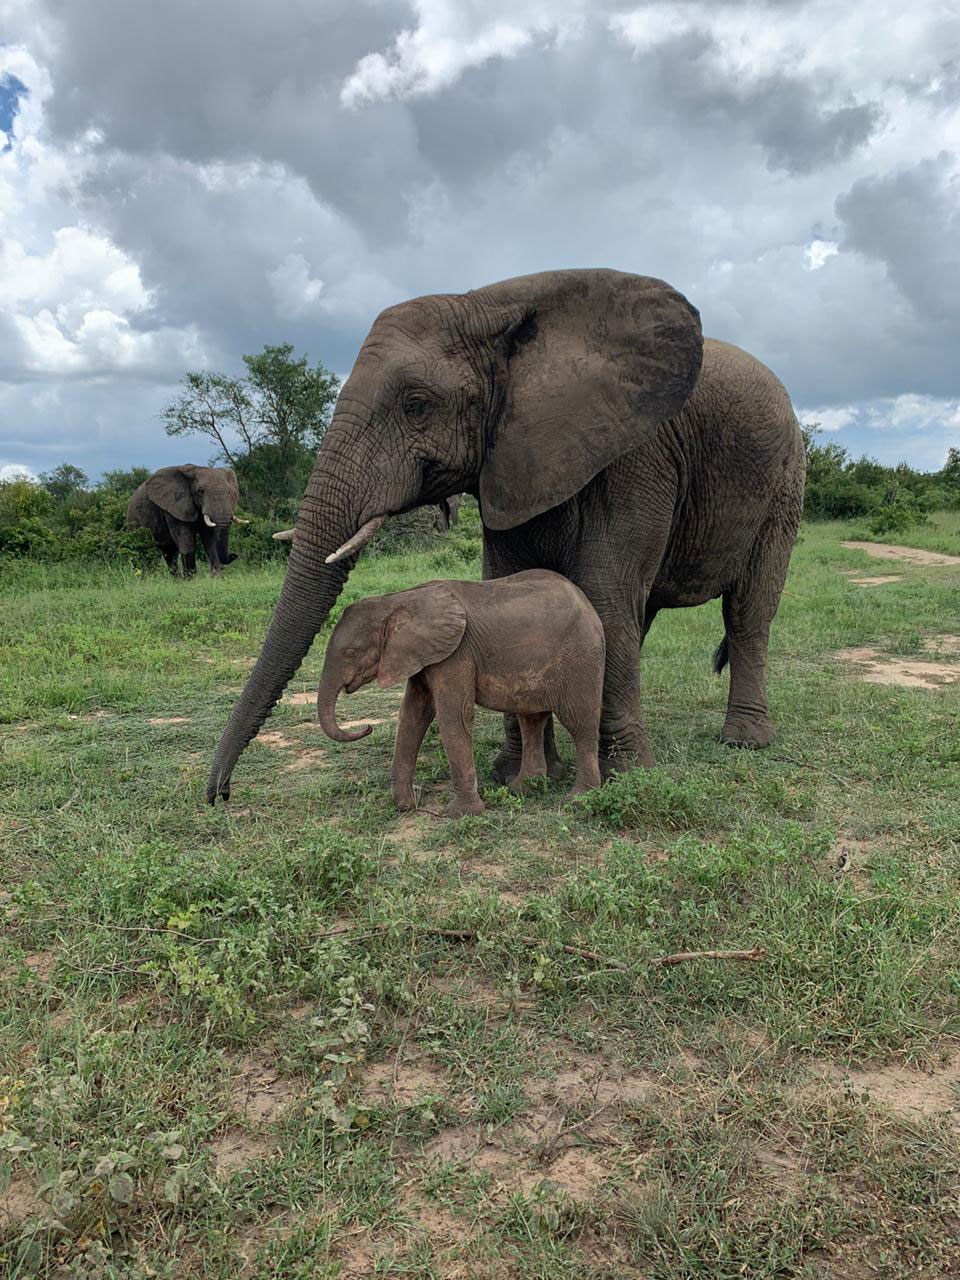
[266, 425]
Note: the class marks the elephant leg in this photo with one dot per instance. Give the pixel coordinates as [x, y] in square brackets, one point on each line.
[189, 563]
[533, 762]
[506, 766]
[582, 724]
[748, 610]
[623, 735]
[455, 722]
[208, 537]
[416, 716]
[170, 554]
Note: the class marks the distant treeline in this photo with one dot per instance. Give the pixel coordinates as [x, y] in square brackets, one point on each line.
[890, 498]
[63, 516]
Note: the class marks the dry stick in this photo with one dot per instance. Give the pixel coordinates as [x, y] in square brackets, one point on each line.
[471, 935]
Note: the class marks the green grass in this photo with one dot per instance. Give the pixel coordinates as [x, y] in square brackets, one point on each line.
[254, 1041]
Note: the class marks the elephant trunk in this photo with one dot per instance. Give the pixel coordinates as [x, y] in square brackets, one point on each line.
[327, 712]
[329, 515]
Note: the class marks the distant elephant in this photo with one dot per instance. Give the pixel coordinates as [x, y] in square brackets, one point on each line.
[178, 503]
[530, 643]
[604, 440]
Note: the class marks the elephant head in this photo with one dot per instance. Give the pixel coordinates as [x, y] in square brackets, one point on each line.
[192, 493]
[389, 638]
[520, 393]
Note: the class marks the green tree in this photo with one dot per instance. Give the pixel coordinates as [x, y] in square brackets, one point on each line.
[266, 425]
[64, 481]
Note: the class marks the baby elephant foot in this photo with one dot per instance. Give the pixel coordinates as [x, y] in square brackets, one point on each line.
[461, 806]
[517, 785]
[754, 735]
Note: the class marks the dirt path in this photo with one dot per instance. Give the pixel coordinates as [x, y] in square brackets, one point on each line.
[887, 551]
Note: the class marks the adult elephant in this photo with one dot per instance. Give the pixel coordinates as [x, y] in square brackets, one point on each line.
[574, 405]
[180, 504]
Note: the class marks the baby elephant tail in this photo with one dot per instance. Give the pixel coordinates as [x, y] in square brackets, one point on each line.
[721, 656]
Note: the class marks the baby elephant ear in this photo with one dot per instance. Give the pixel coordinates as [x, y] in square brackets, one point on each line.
[170, 488]
[425, 627]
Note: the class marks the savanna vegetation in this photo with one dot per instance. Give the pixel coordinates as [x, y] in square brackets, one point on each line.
[301, 1036]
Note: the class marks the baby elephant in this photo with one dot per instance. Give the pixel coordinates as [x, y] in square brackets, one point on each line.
[530, 643]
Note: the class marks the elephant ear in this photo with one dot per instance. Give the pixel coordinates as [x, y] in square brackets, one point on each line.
[592, 362]
[425, 627]
[230, 480]
[170, 488]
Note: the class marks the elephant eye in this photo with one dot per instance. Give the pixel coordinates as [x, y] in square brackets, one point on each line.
[415, 407]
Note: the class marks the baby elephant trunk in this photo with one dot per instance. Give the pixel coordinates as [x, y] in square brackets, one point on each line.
[327, 713]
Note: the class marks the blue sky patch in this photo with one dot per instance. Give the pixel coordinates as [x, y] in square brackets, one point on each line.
[11, 91]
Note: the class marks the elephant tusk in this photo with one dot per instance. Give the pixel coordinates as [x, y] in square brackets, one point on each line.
[237, 520]
[359, 539]
[211, 524]
[284, 535]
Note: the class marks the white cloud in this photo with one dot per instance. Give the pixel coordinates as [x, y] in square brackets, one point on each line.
[450, 38]
[295, 291]
[15, 471]
[817, 252]
[829, 419]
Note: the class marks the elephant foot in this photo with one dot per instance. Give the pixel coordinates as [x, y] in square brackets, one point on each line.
[229, 559]
[460, 808]
[505, 768]
[620, 757]
[752, 735]
[404, 800]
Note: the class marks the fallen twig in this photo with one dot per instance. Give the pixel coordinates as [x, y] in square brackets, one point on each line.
[681, 957]
[471, 935]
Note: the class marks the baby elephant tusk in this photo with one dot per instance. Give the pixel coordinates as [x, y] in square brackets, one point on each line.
[359, 539]
[211, 524]
[237, 520]
[285, 535]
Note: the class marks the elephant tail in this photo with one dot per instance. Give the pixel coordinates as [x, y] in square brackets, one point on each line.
[721, 656]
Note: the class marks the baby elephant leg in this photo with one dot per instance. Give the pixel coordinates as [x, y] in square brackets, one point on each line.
[533, 762]
[455, 722]
[583, 725]
[416, 716]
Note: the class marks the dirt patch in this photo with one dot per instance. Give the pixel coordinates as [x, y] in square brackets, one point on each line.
[41, 964]
[890, 551]
[170, 720]
[305, 699]
[259, 1092]
[787, 1168]
[20, 1201]
[906, 1090]
[880, 581]
[848, 859]
[236, 1150]
[275, 739]
[942, 644]
[908, 673]
[404, 1082]
[511, 1161]
[307, 759]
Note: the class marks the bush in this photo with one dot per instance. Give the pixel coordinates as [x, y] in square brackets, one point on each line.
[842, 488]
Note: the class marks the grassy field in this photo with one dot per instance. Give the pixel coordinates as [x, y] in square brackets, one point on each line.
[302, 1036]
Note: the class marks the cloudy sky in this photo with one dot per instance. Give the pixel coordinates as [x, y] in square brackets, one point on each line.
[181, 183]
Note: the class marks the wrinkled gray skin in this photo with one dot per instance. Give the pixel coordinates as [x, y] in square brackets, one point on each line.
[529, 644]
[574, 405]
[172, 504]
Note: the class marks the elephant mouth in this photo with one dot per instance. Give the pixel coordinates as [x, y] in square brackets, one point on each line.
[354, 685]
